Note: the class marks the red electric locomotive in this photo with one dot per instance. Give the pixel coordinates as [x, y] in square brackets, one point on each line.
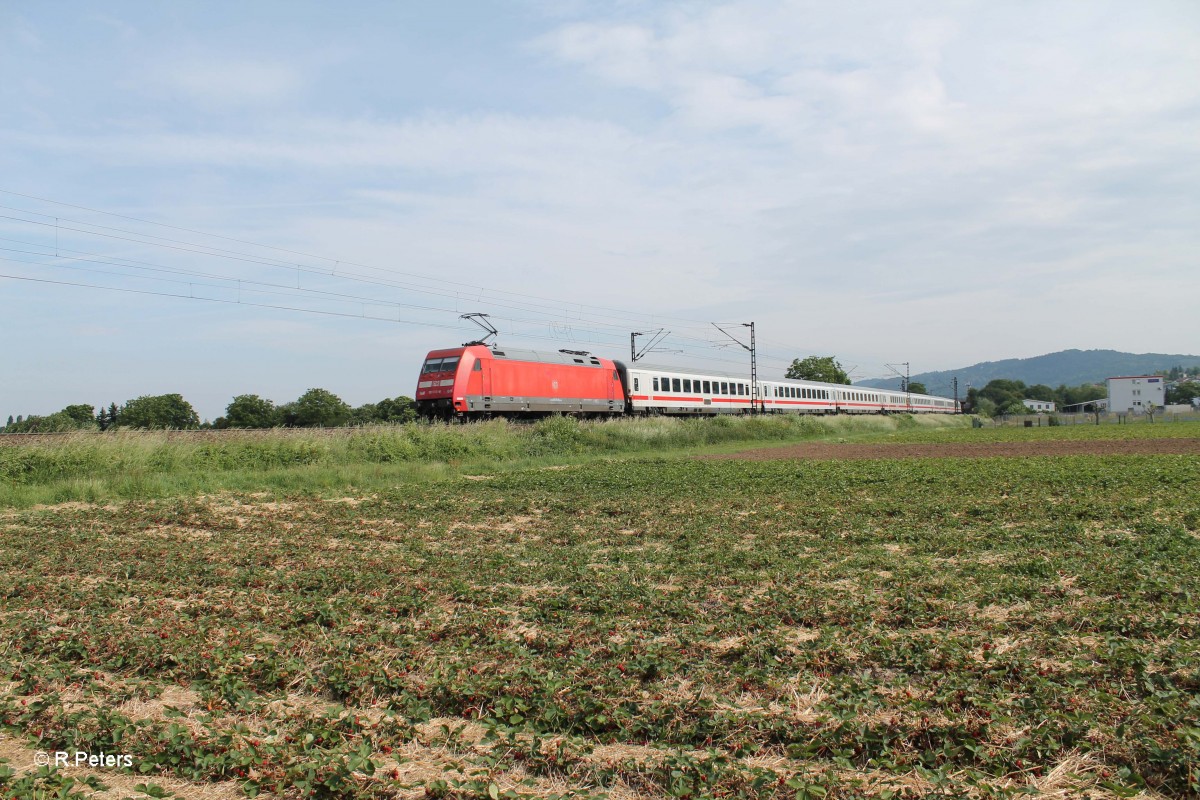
[476, 381]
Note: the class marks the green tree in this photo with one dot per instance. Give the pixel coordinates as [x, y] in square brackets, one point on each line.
[1083, 393]
[1041, 392]
[250, 411]
[389, 410]
[1182, 392]
[84, 415]
[985, 407]
[397, 409]
[825, 369]
[366, 414]
[159, 411]
[1004, 393]
[916, 387]
[321, 408]
[57, 422]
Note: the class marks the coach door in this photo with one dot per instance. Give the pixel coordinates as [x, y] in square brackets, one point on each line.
[486, 378]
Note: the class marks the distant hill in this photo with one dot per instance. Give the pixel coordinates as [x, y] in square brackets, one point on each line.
[1071, 367]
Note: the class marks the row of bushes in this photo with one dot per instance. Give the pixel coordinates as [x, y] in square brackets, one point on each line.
[314, 408]
[495, 441]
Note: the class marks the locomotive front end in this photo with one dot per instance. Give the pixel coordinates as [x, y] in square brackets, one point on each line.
[436, 398]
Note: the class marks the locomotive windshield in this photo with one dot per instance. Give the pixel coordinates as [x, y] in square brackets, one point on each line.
[440, 365]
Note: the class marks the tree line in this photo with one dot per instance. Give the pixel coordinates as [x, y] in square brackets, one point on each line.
[1004, 397]
[316, 408]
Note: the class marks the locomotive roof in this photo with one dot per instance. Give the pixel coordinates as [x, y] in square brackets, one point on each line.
[543, 357]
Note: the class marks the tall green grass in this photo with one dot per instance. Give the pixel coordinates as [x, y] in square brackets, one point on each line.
[135, 464]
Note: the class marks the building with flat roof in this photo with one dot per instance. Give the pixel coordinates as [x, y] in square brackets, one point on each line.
[1136, 393]
[1039, 406]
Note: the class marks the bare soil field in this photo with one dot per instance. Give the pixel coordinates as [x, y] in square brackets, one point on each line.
[854, 451]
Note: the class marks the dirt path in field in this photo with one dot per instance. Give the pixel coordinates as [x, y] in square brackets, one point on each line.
[847, 451]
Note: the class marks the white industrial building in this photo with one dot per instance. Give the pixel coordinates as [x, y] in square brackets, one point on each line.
[1039, 406]
[1136, 393]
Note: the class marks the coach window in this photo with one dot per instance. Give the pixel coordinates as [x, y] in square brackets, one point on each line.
[707, 387]
[675, 385]
[635, 384]
[687, 384]
[655, 383]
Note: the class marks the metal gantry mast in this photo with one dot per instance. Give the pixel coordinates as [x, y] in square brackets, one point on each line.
[904, 381]
[657, 336]
[755, 400]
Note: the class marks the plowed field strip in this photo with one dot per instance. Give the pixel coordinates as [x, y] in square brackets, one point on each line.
[848, 451]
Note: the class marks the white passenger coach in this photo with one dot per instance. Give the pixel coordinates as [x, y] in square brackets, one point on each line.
[667, 390]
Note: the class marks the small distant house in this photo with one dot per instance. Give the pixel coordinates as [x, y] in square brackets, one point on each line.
[1040, 406]
[1136, 393]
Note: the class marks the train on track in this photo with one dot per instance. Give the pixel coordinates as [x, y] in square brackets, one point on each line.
[479, 382]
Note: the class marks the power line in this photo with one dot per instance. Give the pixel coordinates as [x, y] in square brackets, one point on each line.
[365, 302]
[246, 285]
[204, 250]
[698, 323]
[537, 306]
[219, 300]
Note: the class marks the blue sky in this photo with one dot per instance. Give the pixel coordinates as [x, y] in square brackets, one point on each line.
[937, 183]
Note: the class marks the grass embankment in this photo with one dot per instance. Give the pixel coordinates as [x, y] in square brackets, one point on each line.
[137, 465]
[642, 628]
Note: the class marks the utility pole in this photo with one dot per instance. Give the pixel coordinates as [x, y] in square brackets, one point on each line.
[657, 335]
[904, 382]
[907, 387]
[755, 400]
[955, 382]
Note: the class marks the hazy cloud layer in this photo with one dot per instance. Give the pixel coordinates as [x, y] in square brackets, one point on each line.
[935, 183]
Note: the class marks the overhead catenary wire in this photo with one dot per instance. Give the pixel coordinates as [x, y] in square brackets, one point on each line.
[336, 262]
[230, 284]
[699, 325]
[458, 297]
[193, 286]
[587, 317]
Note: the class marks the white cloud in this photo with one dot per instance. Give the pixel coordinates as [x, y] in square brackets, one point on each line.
[962, 171]
[216, 80]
